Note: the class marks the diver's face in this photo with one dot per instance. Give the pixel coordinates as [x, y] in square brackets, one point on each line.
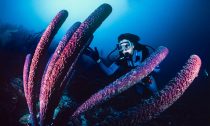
[126, 47]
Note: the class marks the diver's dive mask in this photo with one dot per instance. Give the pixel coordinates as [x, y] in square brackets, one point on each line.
[125, 47]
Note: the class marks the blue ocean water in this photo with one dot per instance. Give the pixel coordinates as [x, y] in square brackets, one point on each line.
[182, 26]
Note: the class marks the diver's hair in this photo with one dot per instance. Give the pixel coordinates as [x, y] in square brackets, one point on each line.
[131, 37]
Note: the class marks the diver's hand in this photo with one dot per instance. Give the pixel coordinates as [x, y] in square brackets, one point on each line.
[95, 55]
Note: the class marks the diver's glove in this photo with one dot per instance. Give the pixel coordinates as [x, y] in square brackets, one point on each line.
[95, 55]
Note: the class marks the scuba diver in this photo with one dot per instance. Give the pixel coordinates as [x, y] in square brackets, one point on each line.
[131, 54]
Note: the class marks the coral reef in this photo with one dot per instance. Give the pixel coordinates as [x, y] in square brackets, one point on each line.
[51, 88]
[61, 66]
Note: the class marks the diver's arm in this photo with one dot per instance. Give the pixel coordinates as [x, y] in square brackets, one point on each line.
[108, 70]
